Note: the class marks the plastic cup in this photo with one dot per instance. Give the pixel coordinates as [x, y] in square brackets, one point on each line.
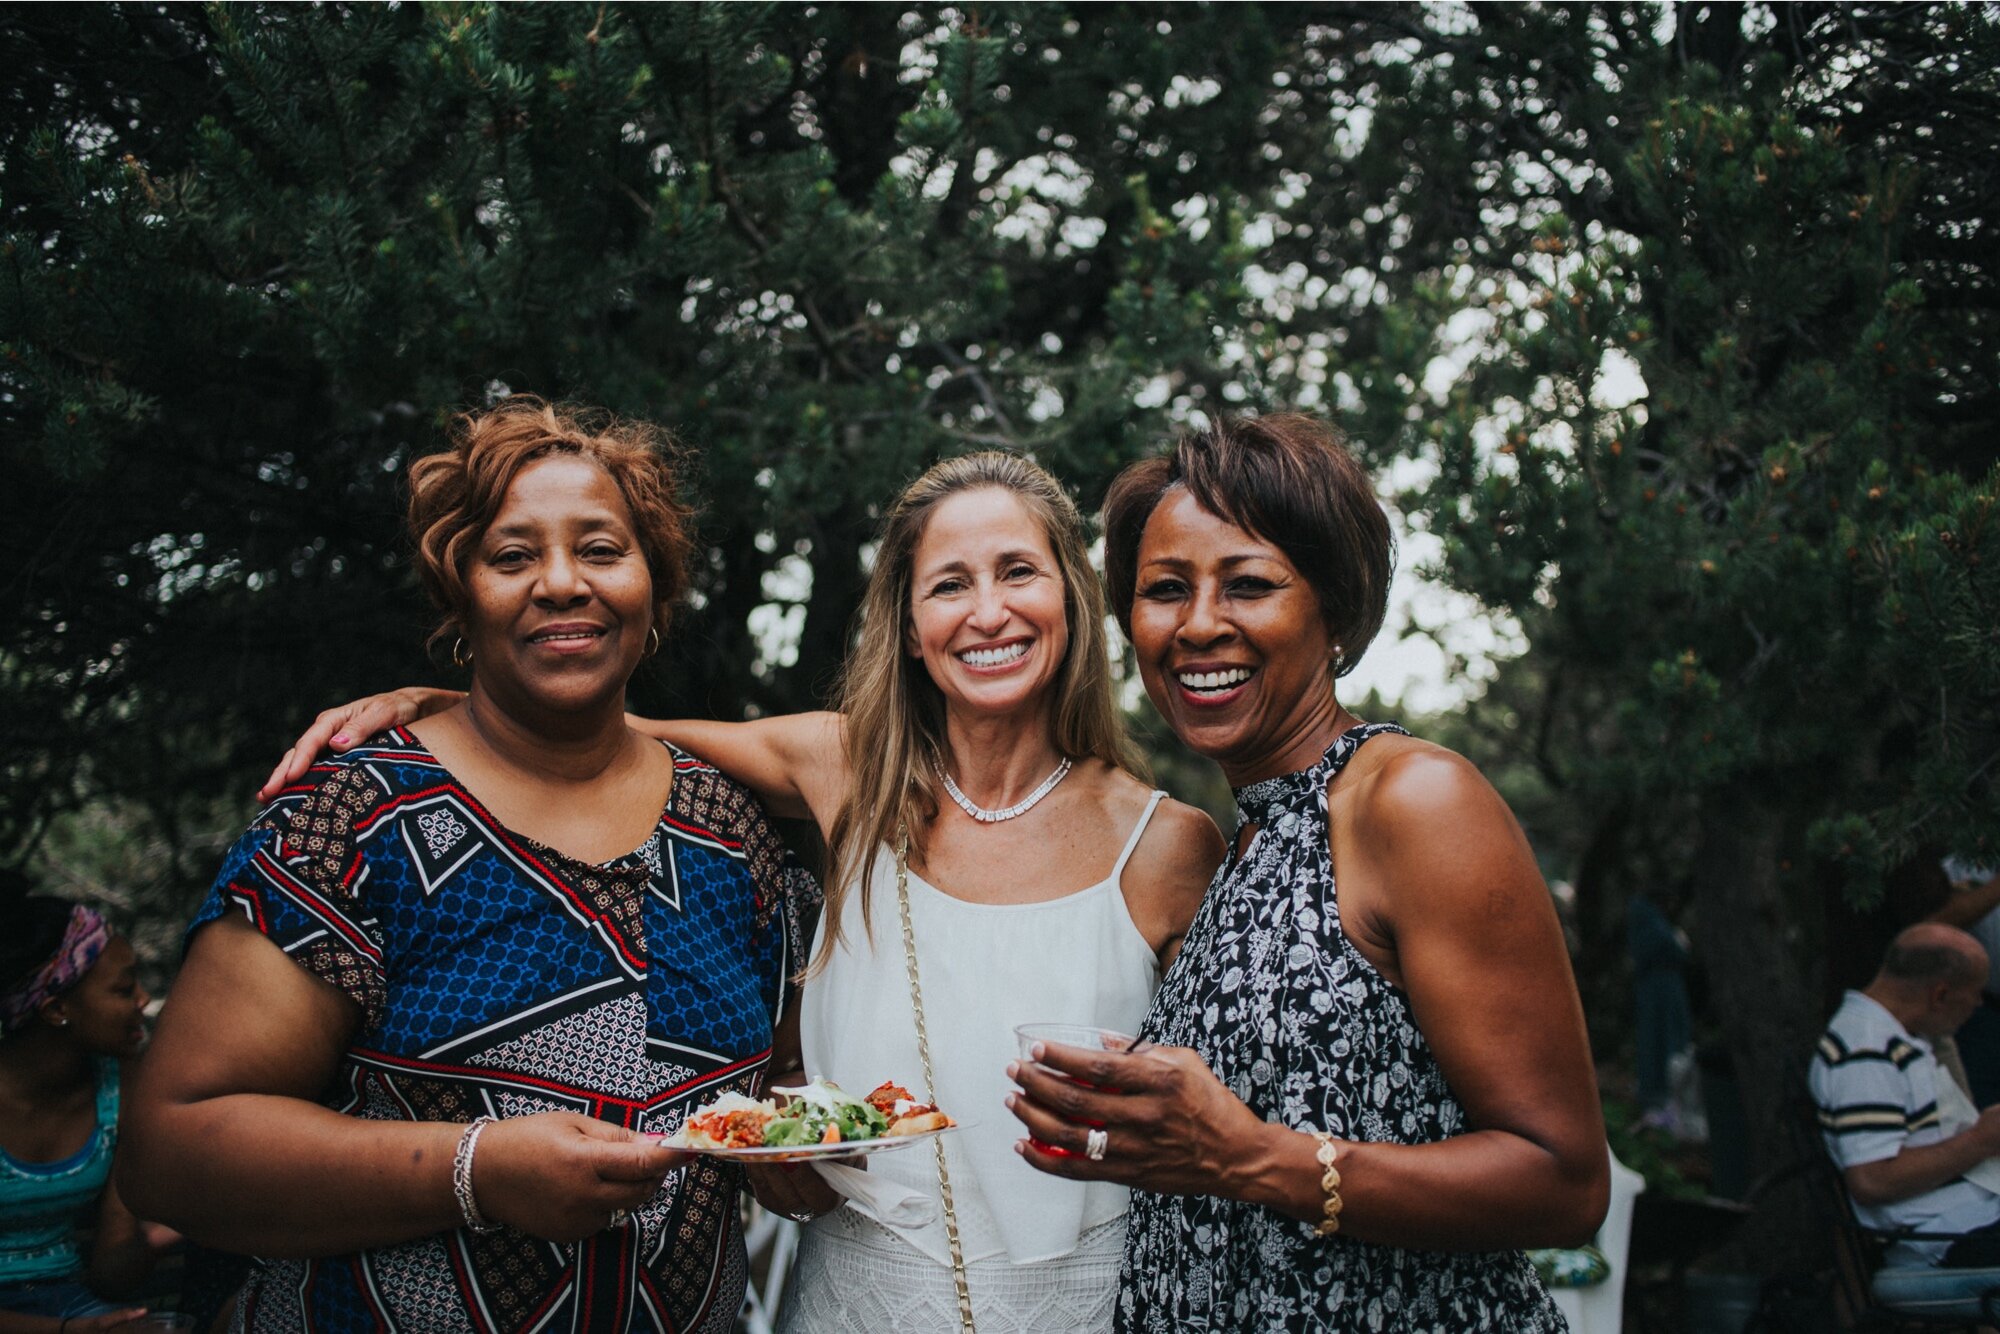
[1088, 1036]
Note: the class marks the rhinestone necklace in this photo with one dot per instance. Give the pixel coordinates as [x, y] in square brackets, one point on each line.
[1021, 807]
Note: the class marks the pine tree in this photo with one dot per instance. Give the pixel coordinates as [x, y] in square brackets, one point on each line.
[254, 256]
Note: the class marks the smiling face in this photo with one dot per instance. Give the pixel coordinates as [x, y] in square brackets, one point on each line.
[1231, 643]
[560, 596]
[987, 605]
[104, 1013]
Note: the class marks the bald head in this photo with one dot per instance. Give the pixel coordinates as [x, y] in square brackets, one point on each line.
[1931, 954]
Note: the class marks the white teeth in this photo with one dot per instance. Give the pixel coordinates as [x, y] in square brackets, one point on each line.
[993, 657]
[1235, 676]
[577, 634]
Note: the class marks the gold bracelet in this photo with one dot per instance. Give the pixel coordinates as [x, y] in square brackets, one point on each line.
[1329, 1182]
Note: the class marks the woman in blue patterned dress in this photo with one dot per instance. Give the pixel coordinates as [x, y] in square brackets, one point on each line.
[1368, 1089]
[446, 985]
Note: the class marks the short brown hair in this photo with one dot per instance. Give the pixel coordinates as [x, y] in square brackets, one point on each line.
[455, 493]
[1287, 478]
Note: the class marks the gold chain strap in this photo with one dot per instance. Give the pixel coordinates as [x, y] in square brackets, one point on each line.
[930, 1084]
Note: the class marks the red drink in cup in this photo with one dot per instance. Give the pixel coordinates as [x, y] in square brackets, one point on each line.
[1089, 1037]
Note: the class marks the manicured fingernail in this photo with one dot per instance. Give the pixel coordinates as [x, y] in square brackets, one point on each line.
[1021, 1147]
[340, 740]
[1038, 1051]
[1013, 1069]
[1011, 1100]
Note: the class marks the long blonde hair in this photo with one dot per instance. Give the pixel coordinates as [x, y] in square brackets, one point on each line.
[895, 727]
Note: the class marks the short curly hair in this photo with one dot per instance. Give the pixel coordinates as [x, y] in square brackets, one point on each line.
[1288, 478]
[455, 493]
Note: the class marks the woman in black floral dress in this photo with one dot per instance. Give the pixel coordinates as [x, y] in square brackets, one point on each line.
[1362, 1102]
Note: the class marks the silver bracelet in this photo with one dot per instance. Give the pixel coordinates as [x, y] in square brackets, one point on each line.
[461, 1177]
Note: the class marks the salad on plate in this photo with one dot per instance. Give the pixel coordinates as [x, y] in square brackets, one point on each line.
[818, 1119]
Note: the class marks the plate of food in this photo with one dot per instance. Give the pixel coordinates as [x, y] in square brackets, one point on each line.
[817, 1120]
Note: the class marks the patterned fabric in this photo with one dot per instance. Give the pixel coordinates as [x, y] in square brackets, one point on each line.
[43, 1204]
[1876, 1086]
[83, 940]
[1281, 1006]
[854, 1276]
[499, 977]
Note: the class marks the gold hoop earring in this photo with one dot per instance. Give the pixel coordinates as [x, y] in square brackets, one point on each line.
[459, 657]
[654, 635]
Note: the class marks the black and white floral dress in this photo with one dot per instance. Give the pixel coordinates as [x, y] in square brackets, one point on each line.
[1278, 1002]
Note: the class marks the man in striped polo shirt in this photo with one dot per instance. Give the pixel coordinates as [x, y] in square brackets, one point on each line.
[1904, 1136]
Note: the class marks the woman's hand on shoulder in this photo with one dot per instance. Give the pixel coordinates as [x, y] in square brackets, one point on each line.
[346, 726]
[1169, 872]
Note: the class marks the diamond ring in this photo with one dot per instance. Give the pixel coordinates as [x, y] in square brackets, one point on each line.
[1094, 1145]
[619, 1217]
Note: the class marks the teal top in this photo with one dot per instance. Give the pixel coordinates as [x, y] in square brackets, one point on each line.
[41, 1204]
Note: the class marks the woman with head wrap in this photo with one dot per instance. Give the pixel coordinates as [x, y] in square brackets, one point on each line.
[71, 1010]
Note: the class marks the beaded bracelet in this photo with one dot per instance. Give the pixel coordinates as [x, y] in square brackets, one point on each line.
[461, 1177]
[1329, 1182]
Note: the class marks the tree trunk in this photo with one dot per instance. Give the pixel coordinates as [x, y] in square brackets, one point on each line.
[1763, 987]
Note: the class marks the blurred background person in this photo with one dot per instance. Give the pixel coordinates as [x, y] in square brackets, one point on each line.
[1914, 1153]
[1974, 907]
[71, 1017]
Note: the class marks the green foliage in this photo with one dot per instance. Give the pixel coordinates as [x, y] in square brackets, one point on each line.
[1685, 315]
[251, 258]
[1776, 570]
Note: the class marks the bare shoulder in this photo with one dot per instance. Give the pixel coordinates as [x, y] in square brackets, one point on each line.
[1176, 828]
[1170, 869]
[1399, 786]
[1423, 822]
[1182, 835]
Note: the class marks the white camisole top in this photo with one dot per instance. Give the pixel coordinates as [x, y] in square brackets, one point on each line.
[1079, 959]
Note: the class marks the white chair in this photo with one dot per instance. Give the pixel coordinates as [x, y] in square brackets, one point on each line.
[771, 1241]
[1600, 1308]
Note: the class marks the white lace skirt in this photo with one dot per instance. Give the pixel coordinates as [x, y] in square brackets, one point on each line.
[854, 1276]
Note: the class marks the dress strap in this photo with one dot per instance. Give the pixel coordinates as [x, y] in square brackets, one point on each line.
[1304, 790]
[1138, 831]
[1347, 743]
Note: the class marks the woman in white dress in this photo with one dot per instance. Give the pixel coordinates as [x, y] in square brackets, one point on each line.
[1045, 883]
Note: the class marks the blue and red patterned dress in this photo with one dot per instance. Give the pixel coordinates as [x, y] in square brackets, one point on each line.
[499, 977]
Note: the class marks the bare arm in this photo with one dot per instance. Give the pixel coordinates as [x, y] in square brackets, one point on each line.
[1963, 908]
[124, 1249]
[1482, 961]
[224, 1140]
[792, 1189]
[795, 763]
[1481, 956]
[1916, 1170]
